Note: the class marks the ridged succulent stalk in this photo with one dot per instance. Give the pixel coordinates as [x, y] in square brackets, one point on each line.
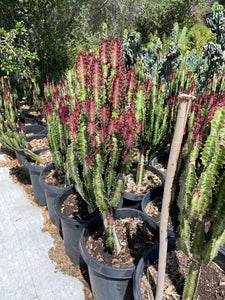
[156, 107]
[200, 195]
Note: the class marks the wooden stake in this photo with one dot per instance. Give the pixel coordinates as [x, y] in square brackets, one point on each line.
[171, 169]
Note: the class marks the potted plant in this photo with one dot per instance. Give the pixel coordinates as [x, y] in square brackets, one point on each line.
[56, 113]
[199, 197]
[156, 107]
[11, 137]
[102, 129]
[198, 190]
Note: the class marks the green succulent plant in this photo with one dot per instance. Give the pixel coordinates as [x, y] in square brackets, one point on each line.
[102, 129]
[12, 136]
[200, 194]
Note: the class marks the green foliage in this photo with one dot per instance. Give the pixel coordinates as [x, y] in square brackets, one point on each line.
[150, 61]
[200, 195]
[197, 37]
[212, 60]
[216, 23]
[15, 56]
[55, 30]
[161, 15]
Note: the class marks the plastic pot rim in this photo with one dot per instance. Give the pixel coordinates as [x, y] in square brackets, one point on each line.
[47, 186]
[57, 209]
[101, 268]
[32, 167]
[139, 197]
[170, 231]
[143, 262]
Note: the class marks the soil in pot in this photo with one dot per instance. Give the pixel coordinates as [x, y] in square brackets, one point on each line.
[211, 284]
[150, 181]
[76, 208]
[162, 167]
[54, 177]
[153, 210]
[46, 159]
[39, 143]
[135, 238]
[133, 193]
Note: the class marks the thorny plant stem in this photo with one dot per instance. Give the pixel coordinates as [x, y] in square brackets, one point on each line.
[115, 237]
[141, 169]
[171, 168]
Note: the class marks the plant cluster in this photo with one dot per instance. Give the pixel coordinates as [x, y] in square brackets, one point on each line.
[92, 127]
[12, 135]
[150, 61]
[199, 197]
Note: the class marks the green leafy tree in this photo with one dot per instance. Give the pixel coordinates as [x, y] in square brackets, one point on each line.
[15, 55]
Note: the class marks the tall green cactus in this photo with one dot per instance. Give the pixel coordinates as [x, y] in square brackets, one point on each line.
[200, 195]
[155, 107]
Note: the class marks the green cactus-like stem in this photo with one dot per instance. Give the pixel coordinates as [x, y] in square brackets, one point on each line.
[201, 195]
[191, 281]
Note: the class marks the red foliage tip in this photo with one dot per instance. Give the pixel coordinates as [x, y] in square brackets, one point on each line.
[92, 127]
[116, 91]
[139, 127]
[173, 75]
[73, 121]
[104, 51]
[130, 80]
[103, 134]
[110, 220]
[93, 142]
[126, 158]
[104, 116]
[89, 160]
[112, 126]
[56, 94]
[96, 78]
[67, 98]
[81, 69]
[116, 53]
[63, 112]
[89, 109]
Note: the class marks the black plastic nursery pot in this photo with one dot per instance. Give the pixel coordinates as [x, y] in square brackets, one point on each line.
[161, 158]
[35, 172]
[34, 129]
[220, 258]
[21, 156]
[132, 200]
[51, 193]
[109, 282]
[147, 260]
[152, 194]
[28, 118]
[71, 228]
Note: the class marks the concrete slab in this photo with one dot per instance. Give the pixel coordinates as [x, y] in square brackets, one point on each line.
[26, 272]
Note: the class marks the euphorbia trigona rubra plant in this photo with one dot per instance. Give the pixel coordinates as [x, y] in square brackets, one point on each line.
[156, 107]
[102, 128]
[200, 195]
